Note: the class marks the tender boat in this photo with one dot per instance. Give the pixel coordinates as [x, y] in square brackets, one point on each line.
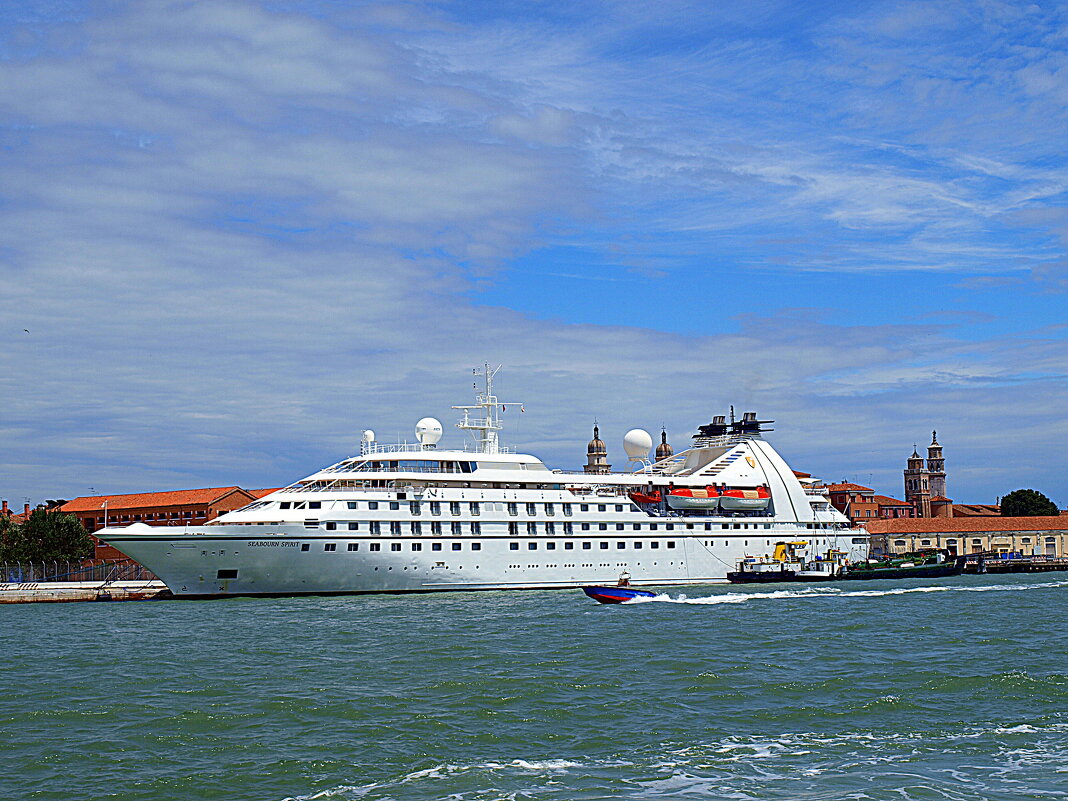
[616, 595]
[743, 499]
[685, 498]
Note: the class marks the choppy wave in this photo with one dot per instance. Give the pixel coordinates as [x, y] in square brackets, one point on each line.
[969, 762]
[836, 592]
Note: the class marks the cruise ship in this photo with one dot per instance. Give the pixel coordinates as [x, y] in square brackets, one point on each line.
[416, 518]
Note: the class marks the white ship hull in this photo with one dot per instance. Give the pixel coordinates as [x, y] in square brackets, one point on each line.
[237, 562]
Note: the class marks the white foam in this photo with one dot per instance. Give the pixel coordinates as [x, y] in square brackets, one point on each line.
[836, 592]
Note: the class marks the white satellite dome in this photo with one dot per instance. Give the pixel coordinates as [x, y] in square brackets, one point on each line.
[368, 436]
[637, 443]
[428, 431]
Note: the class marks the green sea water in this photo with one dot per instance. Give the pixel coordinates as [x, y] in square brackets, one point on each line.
[947, 689]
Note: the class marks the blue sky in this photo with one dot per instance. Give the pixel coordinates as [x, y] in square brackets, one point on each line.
[239, 233]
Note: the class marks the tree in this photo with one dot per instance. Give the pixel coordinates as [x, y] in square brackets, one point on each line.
[1028, 503]
[48, 535]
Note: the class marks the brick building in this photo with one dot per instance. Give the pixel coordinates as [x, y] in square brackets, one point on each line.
[175, 508]
[860, 504]
[1044, 536]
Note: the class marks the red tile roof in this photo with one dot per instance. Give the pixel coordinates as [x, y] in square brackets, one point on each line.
[847, 486]
[260, 493]
[142, 500]
[941, 499]
[886, 500]
[976, 510]
[938, 525]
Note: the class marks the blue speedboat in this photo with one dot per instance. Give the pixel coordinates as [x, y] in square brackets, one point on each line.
[615, 595]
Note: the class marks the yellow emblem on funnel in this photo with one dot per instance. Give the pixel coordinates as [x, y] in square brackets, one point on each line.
[751, 460]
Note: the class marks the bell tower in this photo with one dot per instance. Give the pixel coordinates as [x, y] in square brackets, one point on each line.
[936, 466]
[917, 485]
[597, 455]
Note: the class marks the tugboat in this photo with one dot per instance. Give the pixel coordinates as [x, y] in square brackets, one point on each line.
[789, 562]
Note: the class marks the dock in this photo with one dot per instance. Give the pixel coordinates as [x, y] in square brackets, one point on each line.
[69, 591]
[1014, 563]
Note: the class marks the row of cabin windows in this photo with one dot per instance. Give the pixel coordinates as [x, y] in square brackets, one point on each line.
[474, 507]
[396, 546]
[152, 516]
[477, 546]
[569, 545]
[532, 527]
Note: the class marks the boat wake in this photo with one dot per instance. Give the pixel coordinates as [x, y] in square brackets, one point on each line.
[834, 592]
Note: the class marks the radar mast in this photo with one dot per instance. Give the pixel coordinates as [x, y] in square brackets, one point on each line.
[486, 422]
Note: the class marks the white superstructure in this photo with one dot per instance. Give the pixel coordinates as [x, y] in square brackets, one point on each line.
[401, 518]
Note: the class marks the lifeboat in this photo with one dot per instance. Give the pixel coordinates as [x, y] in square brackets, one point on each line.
[646, 497]
[686, 498]
[745, 499]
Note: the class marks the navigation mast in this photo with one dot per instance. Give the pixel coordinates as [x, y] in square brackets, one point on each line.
[485, 426]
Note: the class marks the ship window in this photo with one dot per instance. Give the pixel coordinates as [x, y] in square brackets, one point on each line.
[737, 525]
[569, 528]
[569, 546]
[476, 528]
[532, 528]
[394, 527]
[394, 546]
[603, 546]
[585, 526]
[652, 526]
[567, 510]
[375, 546]
[637, 544]
[330, 546]
[602, 526]
[435, 528]
[586, 546]
[417, 546]
[311, 524]
[304, 546]
[353, 505]
[435, 546]
[372, 504]
[354, 546]
[637, 526]
[354, 526]
[532, 546]
[454, 507]
[620, 546]
[550, 510]
[476, 546]
[435, 507]
[550, 528]
[513, 528]
[226, 574]
[601, 507]
[376, 527]
[455, 529]
[475, 509]
[394, 505]
[417, 527]
[550, 546]
[724, 525]
[415, 507]
[584, 507]
[859, 540]
[669, 526]
[315, 505]
[283, 505]
[513, 509]
[708, 526]
[671, 543]
[620, 526]
[513, 546]
[619, 507]
[531, 509]
[654, 545]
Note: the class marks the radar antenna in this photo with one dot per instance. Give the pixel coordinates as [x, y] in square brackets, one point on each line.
[486, 423]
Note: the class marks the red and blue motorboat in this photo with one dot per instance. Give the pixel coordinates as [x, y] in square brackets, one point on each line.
[615, 595]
